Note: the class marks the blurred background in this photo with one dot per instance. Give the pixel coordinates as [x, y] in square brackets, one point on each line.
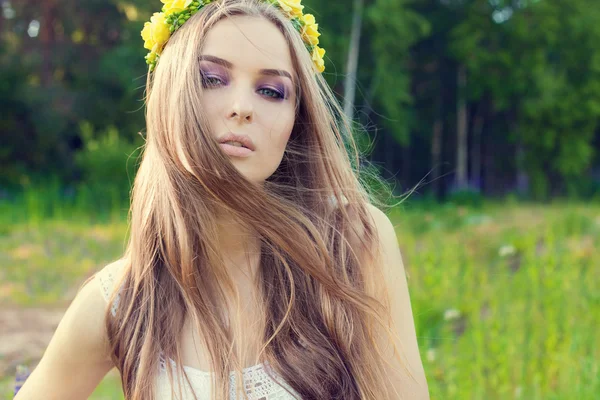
[491, 107]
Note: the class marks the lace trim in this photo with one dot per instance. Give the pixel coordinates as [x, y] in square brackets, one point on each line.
[334, 203]
[107, 277]
[257, 382]
[208, 374]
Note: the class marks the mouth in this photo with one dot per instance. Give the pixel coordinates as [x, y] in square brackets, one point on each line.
[237, 145]
[237, 141]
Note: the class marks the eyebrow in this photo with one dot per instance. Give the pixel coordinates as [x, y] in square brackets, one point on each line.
[229, 65]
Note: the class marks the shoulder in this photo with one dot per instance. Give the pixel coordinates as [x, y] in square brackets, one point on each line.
[394, 294]
[383, 229]
[382, 222]
[78, 351]
[387, 237]
[376, 245]
[84, 320]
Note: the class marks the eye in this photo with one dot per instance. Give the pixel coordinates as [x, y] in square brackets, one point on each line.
[211, 81]
[275, 94]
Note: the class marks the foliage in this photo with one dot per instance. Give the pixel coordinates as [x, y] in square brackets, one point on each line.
[395, 29]
[466, 197]
[547, 54]
[108, 164]
[533, 85]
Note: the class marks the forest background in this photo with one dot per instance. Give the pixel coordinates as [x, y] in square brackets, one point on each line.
[491, 107]
[491, 96]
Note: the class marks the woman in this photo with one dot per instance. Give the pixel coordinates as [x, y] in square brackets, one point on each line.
[256, 267]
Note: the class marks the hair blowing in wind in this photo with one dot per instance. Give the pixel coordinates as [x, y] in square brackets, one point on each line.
[318, 263]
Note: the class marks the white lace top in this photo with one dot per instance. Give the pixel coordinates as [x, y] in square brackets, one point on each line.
[257, 383]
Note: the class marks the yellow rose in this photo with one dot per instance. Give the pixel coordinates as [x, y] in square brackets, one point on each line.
[317, 57]
[175, 6]
[292, 7]
[156, 32]
[310, 30]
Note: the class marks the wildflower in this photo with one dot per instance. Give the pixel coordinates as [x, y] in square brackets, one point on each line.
[292, 7]
[175, 6]
[310, 31]
[507, 250]
[317, 57]
[155, 33]
[430, 355]
[451, 314]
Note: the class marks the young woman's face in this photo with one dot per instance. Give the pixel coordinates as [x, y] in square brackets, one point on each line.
[248, 79]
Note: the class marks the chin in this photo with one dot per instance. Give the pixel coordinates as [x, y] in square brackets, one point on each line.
[256, 177]
[253, 178]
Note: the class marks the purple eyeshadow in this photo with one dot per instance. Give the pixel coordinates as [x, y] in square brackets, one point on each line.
[207, 73]
[282, 91]
[279, 89]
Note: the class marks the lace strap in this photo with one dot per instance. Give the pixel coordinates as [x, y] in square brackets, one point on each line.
[334, 203]
[107, 278]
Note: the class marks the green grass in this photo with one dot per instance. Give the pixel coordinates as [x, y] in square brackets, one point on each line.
[108, 389]
[506, 298]
[44, 263]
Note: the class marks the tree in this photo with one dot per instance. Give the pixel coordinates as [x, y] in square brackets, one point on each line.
[540, 66]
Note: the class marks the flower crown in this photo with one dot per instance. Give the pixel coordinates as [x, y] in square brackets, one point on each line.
[175, 13]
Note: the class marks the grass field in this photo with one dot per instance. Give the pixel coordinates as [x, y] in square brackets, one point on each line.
[506, 298]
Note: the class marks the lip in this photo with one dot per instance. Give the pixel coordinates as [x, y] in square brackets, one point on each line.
[235, 151]
[243, 139]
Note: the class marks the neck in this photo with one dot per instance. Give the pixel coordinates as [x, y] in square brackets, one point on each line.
[239, 246]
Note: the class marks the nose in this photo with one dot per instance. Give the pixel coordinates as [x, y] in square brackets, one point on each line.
[241, 108]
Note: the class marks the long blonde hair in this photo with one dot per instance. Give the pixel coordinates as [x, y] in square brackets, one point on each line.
[315, 279]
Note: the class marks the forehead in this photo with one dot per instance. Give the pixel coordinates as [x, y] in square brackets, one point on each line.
[249, 42]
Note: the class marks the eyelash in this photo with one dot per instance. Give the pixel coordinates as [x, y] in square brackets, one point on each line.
[278, 94]
[206, 82]
[206, 79]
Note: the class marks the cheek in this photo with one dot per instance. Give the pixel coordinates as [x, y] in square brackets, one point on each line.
[211, 104]
[281, 127]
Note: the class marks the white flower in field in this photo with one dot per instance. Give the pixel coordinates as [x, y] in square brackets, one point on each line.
[431, 355]
[507, 250]
[450, 314]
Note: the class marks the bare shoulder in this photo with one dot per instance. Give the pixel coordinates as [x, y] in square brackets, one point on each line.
[77, 357]
[381, 220]
[393, 275]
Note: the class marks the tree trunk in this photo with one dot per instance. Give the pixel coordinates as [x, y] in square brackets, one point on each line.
[390, 144]
[522, 177]
[367, 108]
[436, 148]
[352, 64]
[461, 139]
[406, 163]
[47, 39]
[476, 148]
